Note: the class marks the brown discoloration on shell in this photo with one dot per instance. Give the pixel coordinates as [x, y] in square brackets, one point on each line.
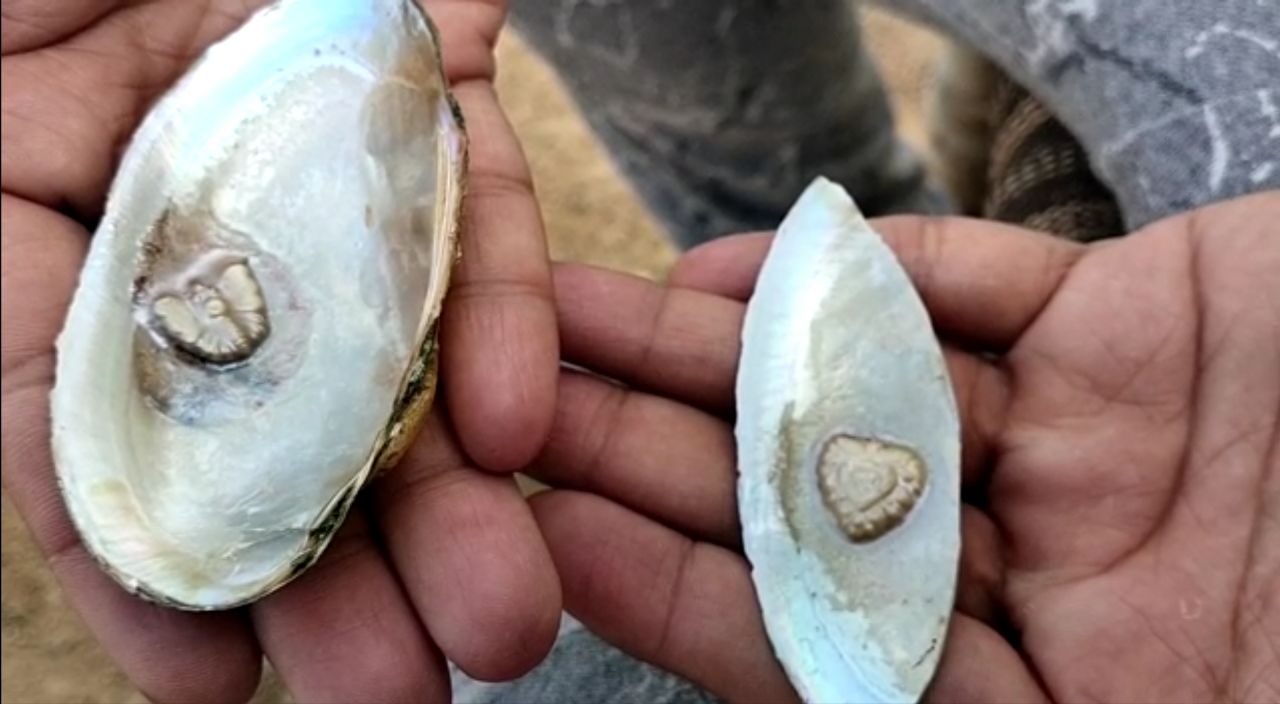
[413, 406]
[174, 241]
[196, 290]
[783, 475]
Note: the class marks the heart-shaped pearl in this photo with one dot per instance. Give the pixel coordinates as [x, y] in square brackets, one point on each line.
[869, 485]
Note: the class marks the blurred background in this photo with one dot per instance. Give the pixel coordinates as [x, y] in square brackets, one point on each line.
[591, 216]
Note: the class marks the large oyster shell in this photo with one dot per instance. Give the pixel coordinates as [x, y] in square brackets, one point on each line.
[849, 460]
[253, 334]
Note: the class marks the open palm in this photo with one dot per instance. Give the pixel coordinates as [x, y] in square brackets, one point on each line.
[1121, 414]
[448, 559]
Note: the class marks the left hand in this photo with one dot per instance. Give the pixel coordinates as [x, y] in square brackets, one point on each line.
[1121, 539]
[450, 562]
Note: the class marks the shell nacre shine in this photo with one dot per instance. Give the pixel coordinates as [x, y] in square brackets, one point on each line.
[849, 457]
[253, 332]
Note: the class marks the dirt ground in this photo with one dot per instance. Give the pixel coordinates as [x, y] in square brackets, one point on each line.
[591, 216]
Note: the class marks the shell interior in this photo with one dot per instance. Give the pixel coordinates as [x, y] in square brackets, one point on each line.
[257, 310]
[849, 456]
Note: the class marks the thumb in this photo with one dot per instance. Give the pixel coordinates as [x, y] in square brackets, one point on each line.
[983, 282]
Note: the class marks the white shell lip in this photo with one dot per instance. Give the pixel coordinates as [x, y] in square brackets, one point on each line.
[272, 533]
[837, 343]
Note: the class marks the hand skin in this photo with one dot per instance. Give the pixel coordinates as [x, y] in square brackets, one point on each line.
[1121, 460]
[442, 558]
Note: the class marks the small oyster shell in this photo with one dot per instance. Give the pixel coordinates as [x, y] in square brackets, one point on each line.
[849, 460]
[253, 334]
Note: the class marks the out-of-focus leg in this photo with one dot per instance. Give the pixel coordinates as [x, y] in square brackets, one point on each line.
[720, 112]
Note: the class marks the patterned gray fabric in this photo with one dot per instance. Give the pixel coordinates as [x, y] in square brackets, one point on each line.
[721, 111]
[1176, 102]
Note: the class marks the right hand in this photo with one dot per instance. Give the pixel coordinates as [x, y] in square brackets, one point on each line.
[1120, 405]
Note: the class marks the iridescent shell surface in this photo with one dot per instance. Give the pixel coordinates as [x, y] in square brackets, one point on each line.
[253, 334]
[849, 460]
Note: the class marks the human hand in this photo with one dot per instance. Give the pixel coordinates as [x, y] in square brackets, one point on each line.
[448, 560]
[1120, 407]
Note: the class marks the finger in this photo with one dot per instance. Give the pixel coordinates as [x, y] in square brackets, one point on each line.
[978, 665]
[345, 632]
[499, 345]
[468, 31]
[983, 282]
[69, 107]
[674, 342]
[727, 266]
[690, 608]
[30, 24]
[661, 458]
[41, 257]
[169, 655]
[470, 557]
[500, 349]
[62, 128]
[500, 352]
[677, 466]
[684, 345]
[980, 584]
[982, 393]
[683, 606]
